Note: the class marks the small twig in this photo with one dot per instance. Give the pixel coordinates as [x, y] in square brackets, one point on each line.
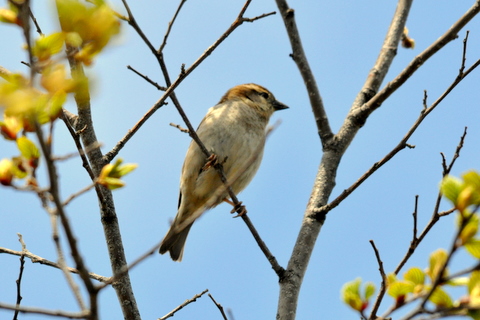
[78, 193]
[170, 90]
[146, 78]
[219, 306]
[57, 313]
[170, 25]
[435, 215]
[402, 145]
[415, 214]
[389, 88]
[179, 127]
[61, 261]
[70, 119]
[457, 152]
[20, 274]
[425, 97]
[187, 302]
[39, 31]
[129, 267]
[464, 54]
[383, 287]
[447, 212]
[37, 259]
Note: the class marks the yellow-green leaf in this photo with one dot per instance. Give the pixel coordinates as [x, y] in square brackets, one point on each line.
[441, 299]
[437, 261]
[473, 247]
[369, 290]
[28, 149]
[470, 229]
[400, 288]
[415, 275]
[450, 187]
[350, 294]
[47, 46]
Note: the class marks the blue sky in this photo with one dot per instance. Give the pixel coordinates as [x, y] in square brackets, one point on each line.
[342, 40]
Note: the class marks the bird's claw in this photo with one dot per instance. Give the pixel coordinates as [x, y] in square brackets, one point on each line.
[211, 162]
[240, 209]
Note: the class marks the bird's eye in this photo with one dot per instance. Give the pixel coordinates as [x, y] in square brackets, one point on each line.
[264, 94]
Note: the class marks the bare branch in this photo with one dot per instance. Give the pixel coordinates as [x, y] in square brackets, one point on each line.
[298, 55]
[187, 302]
[219, 306]
[171, 87]
[56, 313]
[37, 259]
[146, 78]
[19, 281]
[170, 25]
[383, 288]
[179, 127]
[416, 63]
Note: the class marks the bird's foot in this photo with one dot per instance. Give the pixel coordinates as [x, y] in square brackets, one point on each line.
[211, 162]
[240, 209]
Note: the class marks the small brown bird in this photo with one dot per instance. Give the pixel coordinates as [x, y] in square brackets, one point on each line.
[234, 130]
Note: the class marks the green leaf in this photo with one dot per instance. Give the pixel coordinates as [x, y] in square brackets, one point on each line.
[400, 288]
[350, 294]
[470, 229]
[27, 148]
[474, 281]
[472, 178]
[450, 187]
[369, 290]
[437, 261]
[473, 247]
[415, 275]
[441, 299]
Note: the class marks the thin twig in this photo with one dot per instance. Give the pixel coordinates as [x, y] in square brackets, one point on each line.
[59, 210]
[61, 261]
[20, 274]
[401, 145]
[300, 58]
[120, 144]
[170, 25]
[435, 215]
[146, 78]
[37, 259]
[57, 313]
[35, 22]
[130, 266]
[219, 306]
[383, 287]
[415, 214]
[70, 119]
[187, 302]
[78, 193]
[179, 127]
[417, 62]
[464, 55]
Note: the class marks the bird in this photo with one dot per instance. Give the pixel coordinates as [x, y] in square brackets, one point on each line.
[234, 131]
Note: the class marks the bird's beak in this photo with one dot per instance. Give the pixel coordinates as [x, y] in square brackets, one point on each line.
[277, 105]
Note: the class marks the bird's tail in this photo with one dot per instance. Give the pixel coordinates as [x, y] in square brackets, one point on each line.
[174, 242]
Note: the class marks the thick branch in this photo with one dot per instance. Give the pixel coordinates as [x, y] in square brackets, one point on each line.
[416, 63]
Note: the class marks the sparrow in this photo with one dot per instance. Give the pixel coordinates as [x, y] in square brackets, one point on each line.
[234, 130]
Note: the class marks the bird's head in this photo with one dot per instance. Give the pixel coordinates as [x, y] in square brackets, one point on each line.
[255, 96]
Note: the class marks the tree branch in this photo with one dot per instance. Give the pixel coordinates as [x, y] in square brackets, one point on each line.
[298, 55]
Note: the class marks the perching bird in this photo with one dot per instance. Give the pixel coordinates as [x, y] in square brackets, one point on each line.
[233, 130]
